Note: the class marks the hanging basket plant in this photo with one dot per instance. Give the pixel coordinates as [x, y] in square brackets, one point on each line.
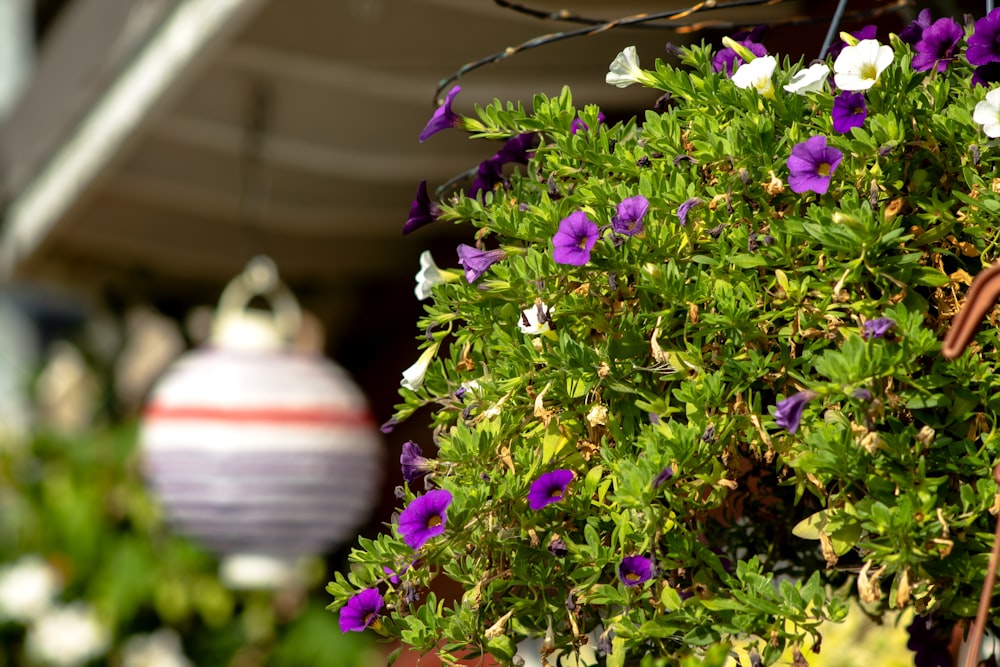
[686, 379]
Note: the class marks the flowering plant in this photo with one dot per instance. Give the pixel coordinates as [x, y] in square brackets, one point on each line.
[691, 388]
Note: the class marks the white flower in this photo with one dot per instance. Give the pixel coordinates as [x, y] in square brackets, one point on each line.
[756, 74]
[809, 80]
[413, 377]
[27, 588]
[987, 113]
[625, 70]
[67, 636]
[858, 67]
[535, 320]
[428, 276]
[160, 649]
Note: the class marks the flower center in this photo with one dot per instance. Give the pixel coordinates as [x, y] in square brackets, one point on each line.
[369, 618]
[555, 493]
[868, 71]
[632, 576]
[434, 521]
[581, 243]
[823, 169]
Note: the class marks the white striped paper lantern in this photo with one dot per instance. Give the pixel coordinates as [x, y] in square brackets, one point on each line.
[260, 453]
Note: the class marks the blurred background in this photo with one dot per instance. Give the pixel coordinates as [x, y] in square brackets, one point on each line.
[175, 490]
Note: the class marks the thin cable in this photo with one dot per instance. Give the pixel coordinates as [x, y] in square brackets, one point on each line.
[834, 28]
[256, 126]
[975, 640]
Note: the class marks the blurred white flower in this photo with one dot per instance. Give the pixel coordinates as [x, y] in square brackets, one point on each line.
[27, 588]
[67, 636]
[808, 80]
[413, 377]
[858, 67]
[756, 74]
[160, 649]
[987, 113]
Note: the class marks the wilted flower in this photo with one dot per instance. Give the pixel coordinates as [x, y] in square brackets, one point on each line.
[443, 116]
[628, 217]
[412, 462]
[67, 636]
[424, 517]
[663, 476]
[549, 488]
[808, 80]
[574, 240]
[937, 45]
[27, 588]
[811, 165]
[634, 570]
[557, 547]
[535, 320]
[361, 611]
[789, 410]
[757, 74]
[859, 67]
[422, 212]
[987, 113]
[877, 327]
[849, 111]
[476, 262]
[685, 208]
[984, 42]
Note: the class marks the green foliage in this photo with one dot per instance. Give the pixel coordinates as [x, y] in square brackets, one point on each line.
[673, 347]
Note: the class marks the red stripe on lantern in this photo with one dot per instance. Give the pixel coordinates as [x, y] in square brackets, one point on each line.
[306, 416]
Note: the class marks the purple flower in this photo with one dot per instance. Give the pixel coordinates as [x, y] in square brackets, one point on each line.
[728, 61]
[663, 476]
[361, 611]
[811, 165]
[516, 149]
[574, 240]
[633, 570]
[412, 462]
[628, 218]
[549, 488]
[443, 117]
[877, 327]
[984, 42]
[867, 32]
[476, 262]
[937, 45]
[422, 212]
[912, 33]
[789, 410]
[984, 75]
[388, 426]
[685, 208]
[487, 176]
[578, 123]
[558, 548]
[862, 394]
[424, 517]
[849, 110]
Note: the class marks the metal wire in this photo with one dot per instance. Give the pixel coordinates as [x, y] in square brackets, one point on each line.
[833, 30]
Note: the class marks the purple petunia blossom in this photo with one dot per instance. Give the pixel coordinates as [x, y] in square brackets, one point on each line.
[422, 212]
[487, 176]
[984, 42]
[912, 33]
[789, 410]
[361, 611]
[412, 462]
[443, 116]
[877, 327]
[574, 240]
[424, 517]
[987, 74]
[811, 165]
[849, 111]
[549, 488]
[634, 570]
[490, 172]
[388, 426]
[866, 32]
[728, 61]
[937, 45]
[862, 394]
[578, 123]
[476, 262]
[663, 476]
[685, 208]
[628, 217]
